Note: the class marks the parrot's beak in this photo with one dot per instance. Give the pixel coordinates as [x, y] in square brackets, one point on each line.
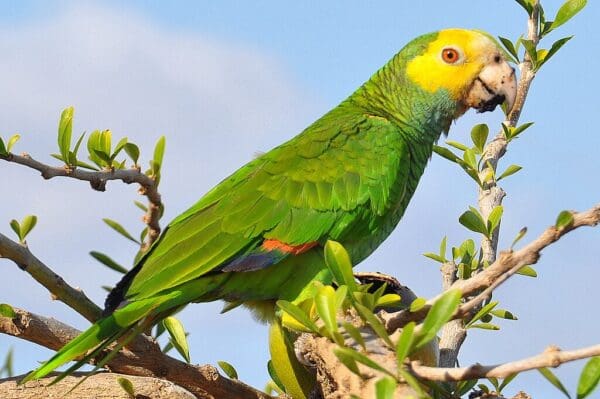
[495, 84]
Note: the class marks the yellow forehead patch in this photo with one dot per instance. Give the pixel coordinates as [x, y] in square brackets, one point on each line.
[431, 73]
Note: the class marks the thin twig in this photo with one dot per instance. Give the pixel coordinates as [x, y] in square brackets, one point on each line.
[499, 271]
[551, 357]
[98, 179]
[491, 195]
[73, 297]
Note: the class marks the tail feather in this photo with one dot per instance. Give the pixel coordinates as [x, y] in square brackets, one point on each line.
[102, 333]
[133, 318]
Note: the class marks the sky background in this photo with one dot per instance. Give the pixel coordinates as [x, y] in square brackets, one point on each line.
[223, 80]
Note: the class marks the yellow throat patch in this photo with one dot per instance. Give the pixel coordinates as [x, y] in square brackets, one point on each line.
[432, 73]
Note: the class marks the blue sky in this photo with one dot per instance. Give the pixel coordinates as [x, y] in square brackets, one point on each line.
[226, 79]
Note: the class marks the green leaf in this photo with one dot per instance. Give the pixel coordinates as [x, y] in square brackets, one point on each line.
[435, 257]
[553, 379]
[374, 323]
[531, 50]
[405, 343]
[485, 326]
[127, 386]
[443, 248]
[388, 300]
[274, 376]
[338, 262]
[412, 382]
[567, 11]
[347, 360]
[469, 158]
[509, 46]
[78, 144]
[527, 271]
[14, 225]
[3, 151]
[507, 381]
[504, 314]
[107, 161]
[159, 152]
[589, 378]
[355, 334]
[325, 305]
[462, 387]
[108, 262]
[7, 311]
[178, 336]
[564, 220]
[494, 218]
[359, 357]
[228, 369]
[298, 314]
[520, 129]
[119, 229]
[441, 311]
[385, 388]
[141, 206]
[482, 312]
[479, 135]
[11, 142]
[473, 221]
[457, 145]
[417, 304]
[119, 147]
[133, 151]
[526, 4]
[446, 153]
[65, 128]
[511, 170]
[555, 47]
[27, 224]
[520, 235]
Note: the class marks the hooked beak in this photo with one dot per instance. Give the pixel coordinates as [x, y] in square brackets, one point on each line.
[495, 84]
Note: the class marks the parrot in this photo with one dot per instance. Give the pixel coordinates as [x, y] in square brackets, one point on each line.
[258, 236]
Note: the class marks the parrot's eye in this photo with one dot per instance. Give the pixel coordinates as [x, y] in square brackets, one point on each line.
[450, 55]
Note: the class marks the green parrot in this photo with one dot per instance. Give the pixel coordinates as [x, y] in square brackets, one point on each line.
[258, 236]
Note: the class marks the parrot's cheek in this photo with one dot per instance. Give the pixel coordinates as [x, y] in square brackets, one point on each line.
[495, 85]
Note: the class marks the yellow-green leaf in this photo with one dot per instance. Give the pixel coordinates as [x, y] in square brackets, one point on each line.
[178, 336]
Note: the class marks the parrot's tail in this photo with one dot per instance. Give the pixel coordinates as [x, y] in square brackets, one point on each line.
[123, 324]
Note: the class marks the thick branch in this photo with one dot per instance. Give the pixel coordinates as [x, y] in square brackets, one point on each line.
[98, 179]
[104, 383]
[501, 269]
[551, 357]
[143, 359]
[75, 298]
[491, 195]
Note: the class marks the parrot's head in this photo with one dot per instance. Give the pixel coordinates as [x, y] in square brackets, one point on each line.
[468, 65]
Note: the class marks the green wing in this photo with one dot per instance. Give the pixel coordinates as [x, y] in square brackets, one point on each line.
[331, 181]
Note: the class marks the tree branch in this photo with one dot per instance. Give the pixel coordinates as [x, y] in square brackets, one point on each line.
[144, 358]
[72, 297]
[491, 195]
[551, 357]
[507, 264]
[98, 179]
[104, 383]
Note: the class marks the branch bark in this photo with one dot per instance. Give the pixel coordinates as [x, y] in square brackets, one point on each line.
[506, 265]
[144, 358]
[491, 195]
[102, 385]
[551, 357]
[98, 180]
[72, 297]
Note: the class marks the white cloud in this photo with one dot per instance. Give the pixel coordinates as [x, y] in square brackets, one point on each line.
[123, 73]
